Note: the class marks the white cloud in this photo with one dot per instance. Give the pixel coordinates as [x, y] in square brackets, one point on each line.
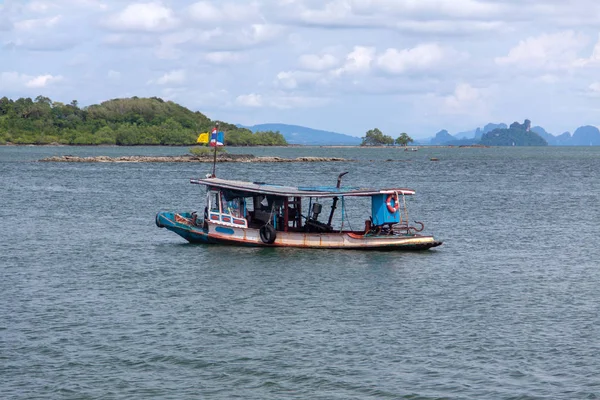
[358, 60]
[17, 81]
[593, 59]
[40, 6]
[280, 101]
[176, 77]
[418, 58]
[287, 80]
[144, 17]
[249, 100]
[224, 13]
[114, 75]
[290, 80]
[260, 33]
[595, 87]
[292, 102]
[222, 57]
[318, 63]
[38, 23]
[465, 100]
[549, 51]
[42, 81]
[449, 27]
[128, 40]
[425, 16]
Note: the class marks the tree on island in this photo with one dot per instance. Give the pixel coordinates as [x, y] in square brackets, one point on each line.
[124, 122]
[404, 139]
[374, 137]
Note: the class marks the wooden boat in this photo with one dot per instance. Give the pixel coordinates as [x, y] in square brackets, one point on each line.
[268, 215]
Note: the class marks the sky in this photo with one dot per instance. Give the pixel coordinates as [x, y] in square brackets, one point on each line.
[415, 66]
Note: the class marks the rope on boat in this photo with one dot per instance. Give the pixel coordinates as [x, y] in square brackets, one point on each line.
[343, 207]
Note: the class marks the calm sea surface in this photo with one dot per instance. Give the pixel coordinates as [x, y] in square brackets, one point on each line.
[96, 302]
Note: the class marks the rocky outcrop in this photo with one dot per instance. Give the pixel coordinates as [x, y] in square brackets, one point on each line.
[247, 158]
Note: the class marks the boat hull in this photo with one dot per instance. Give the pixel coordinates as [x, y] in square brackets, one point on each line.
[197, 230]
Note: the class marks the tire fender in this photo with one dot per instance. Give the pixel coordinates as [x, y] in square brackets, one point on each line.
[267, 234]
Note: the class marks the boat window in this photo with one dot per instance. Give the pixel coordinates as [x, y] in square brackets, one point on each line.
[233, 207]
[261, 203]
[214, 201]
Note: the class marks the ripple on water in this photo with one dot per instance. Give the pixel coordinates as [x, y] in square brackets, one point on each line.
[96, 302]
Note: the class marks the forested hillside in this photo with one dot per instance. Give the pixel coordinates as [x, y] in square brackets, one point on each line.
[131, 121]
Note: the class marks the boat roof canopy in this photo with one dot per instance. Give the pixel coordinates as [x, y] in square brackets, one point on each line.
[262, 188]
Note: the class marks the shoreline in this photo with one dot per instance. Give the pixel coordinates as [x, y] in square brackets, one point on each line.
[240, 158]
[332, 146]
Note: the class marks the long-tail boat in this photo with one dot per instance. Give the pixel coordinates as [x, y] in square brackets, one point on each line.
[270, 215]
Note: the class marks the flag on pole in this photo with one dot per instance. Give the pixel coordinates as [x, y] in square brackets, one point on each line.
[217, 138]
[203, 138]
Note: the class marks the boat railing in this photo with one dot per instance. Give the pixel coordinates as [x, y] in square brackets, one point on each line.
[227, 219]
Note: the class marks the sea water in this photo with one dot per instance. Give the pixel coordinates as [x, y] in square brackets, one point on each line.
[97, 302]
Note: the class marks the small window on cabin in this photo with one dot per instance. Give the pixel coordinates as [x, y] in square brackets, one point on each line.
[233, 207]
[214, 202]
[261, 203]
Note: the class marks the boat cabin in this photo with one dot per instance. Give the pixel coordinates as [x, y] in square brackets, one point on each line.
[253, 205]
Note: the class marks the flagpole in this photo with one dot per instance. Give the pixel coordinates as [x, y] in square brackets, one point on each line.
[215, 156]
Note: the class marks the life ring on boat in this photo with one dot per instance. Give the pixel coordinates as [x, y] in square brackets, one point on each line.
[388, 202]
[267, 234]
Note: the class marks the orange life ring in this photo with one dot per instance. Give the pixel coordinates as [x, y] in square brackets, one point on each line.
[388, 202]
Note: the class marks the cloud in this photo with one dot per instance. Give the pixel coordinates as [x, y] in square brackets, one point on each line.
[593, 60]
[548, 51]
[594, 89]
[17, 81]
[143, 17]
[466, 99]
[424, 16]
[38, 42]
[128, 40]
[280, 101]
[222, 57]
[176, 77]
[40, 6]
[249, 100]
[113, 75]
[37, 23]
[358, 60]
[42, 81]
[224, 13]
[315, 62]
[421, 57]
[290, 80]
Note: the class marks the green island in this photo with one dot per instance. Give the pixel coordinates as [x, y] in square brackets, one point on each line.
[123, 122]
[515, 135]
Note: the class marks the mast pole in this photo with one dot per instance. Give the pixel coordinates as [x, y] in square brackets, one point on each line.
[215, 154]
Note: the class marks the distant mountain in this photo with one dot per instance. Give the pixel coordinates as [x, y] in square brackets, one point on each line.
[295, 134]
[491, 126]
[517, 135]
[466, 134]
[550, 138]
[442, 137]
[563, 139]
[586, 136]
